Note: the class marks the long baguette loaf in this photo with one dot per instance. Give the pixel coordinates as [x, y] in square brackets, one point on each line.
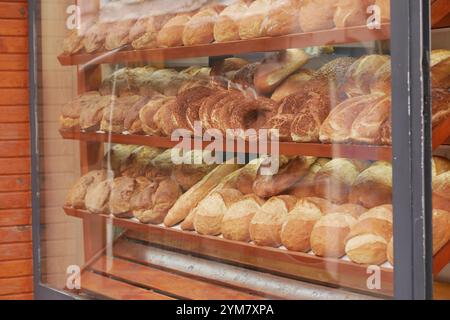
[192, 197]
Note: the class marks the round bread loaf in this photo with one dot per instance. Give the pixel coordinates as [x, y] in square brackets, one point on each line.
[200, 28]
[368, 239]
[227, 25]
[95, 36]
[316, 15]
[333, 182]
[282, 18]
[97, 197]
[265, 227]
[329, 234]
[440, 165]
[440, 64]
[441, 191]
[251, 25]
[360, 75]
[117, 35]
[236, 221]
[351, 13]
[171, 35]
[292, 84]
[306, 186]
[211, 210]
[122, 190]
[373, 187]
[76, 196]
[440, 108]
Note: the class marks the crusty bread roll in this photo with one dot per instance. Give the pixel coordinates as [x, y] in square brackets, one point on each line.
[440, 108]
[355, 210]
[292, 84]
[382, 80]
[193, 196]
[144, 33]
[236, 221]
[296, 231]
[71, 111]
[337, 127]
[251, 25]
[282, 18]
[368, 239]
[360, 75]
[329, 234]
[94, 38]
[114, 114]
[317, 15]
[75, 197]
[351, 13]
[441, 234]
[373, 187]
[275, 69]
[148, 112]
[440, 165]
[122, 190]
[117, 35]
[333, 182]
[97, 197]
[335, 70]
[265, 227]
[306, 186]
[266, 186]
[247, 176]
[367, 125]
[171, 35]
[211, 210]
[200, 28]
[441, 191]
[440, 64]
[227, 25]
[163, 197]
[91, 117]
[441, 229]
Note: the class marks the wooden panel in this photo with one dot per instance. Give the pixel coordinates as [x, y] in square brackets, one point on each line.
[13, 61]
[15, 165]
[13, 44]
[15, 200]
[13, 27]
[14, 148]
[181, 286]
[10, 97]
[15, 251]
[15, 131]
[16, 268]
[21, 296]
[335, 36]
[13, 79]
[17, 217]
[15, 183]
[14, 114]
[12, 10]
[114, 289]
[15, 234]
[16, 285]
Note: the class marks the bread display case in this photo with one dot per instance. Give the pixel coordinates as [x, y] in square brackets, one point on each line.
[206, 149]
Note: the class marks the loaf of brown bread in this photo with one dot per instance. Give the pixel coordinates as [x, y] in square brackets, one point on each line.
[122, 190]
[265, 227]
[292, 84]
[368, 239]
[373, 186]
[440, 64]
[251, 25]
[211, 211]
[171, 35]
[226, 27]
[317, 15]
[76, 196]
[441, 191]
[334, 181]
[200, 28]
[117, 35]
[351, 13]
[282, 18]
[306, 186]
[236, 221]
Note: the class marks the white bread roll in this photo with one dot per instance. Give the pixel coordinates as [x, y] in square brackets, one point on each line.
[227, 25]
[211, 210]
[266, 225]
[316, 15]
[296, 231]
[368, 239]
[236, 222]
[251, 25]
[329, 234]
[373, 187]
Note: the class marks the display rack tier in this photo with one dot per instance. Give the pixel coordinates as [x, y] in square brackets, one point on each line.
[366, 152]
[301, 40]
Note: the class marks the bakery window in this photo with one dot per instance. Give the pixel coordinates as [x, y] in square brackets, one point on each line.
[243, 149]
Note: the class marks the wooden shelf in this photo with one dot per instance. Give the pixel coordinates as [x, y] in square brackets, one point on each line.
[286, 148]
[302, 40]
[299, 265]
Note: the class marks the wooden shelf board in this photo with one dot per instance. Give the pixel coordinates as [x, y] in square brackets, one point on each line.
[302, 40]
[286, 148]
[299, 265]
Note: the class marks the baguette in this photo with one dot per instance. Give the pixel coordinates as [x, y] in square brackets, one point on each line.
[192, 197]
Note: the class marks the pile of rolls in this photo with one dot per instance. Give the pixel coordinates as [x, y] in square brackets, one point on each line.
[214, 22]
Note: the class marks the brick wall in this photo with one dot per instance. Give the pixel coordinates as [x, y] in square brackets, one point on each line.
[15, 196]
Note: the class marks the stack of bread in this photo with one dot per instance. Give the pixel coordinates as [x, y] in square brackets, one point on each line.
[213, 22]
[329, 207]
[346, 100]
